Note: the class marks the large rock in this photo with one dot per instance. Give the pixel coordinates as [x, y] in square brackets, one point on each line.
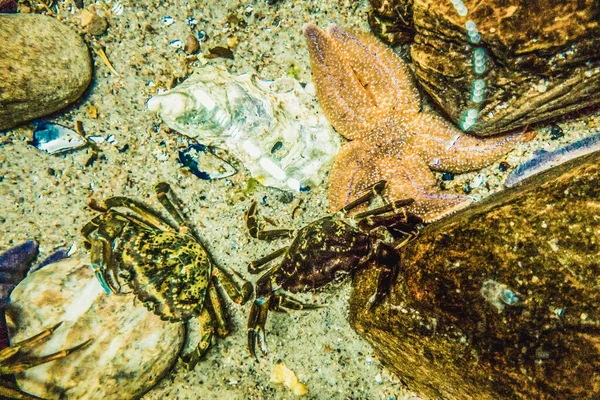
[541, 58]
[131, 348]
[44, 66]
[501, 300]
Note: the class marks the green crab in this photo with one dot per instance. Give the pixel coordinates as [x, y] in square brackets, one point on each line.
[165, 264]
[325, 251]
[13, 361]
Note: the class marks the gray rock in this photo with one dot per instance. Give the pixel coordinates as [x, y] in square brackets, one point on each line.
[131, 348]
[44, 66]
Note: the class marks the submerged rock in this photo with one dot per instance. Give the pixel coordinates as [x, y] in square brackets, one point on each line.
[501, 299]
[45, 66]
[275, 128]
[131, 348]
[498, 65]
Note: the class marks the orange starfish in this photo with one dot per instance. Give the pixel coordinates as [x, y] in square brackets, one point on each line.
[369, 96]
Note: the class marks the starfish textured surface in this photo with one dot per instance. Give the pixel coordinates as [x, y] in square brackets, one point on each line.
[368, 94]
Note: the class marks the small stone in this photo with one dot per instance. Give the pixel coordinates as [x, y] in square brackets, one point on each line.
[131, 348]
[46, 66]
[92, 112]
[98, 25]
[447, 176]
[232, 42]
[504, 166]
[192, 46]
[556, 132]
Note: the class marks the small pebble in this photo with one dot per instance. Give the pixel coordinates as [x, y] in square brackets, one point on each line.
[98, 25]
[556, 132]
[192, 46]
[447, 176]
[504, 166]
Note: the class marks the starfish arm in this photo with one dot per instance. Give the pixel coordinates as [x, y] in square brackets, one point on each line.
[353, 171]
[446, 148]
[410, 177]
[380, 71]
[339, 92]
[363, 87]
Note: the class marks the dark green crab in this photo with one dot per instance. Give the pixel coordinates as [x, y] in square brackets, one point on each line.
[164, 264]
[325, 251]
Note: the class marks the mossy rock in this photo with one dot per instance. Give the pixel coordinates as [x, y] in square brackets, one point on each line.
[501, 300]
[541, 58]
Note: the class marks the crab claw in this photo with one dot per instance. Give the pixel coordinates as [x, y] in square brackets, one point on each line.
[256, 326]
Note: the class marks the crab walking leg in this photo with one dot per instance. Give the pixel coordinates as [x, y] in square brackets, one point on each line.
[238, 289]
[374, 190]
[257, 266]
[167, 199]
[150, 216]
[207, 330]
[389, 263]
[10, 393]
[283, 301]
[395, 206]
[218, 309]
[256, 326]
[22, 366]
[252, 225]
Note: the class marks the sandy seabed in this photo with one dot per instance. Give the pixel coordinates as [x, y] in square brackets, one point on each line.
[45, 197]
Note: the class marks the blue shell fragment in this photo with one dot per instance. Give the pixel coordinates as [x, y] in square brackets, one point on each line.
[543, 160]
[203, 162]
[54, 139]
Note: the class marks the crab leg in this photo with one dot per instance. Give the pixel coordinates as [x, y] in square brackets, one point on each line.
[168, 200]
[255, 266]
[238, 289]
[207, 329]
[252, 225]
[218, 309]
[282, 301]
[150, 216]
[374, 190]
[393, 206]
[256, 326]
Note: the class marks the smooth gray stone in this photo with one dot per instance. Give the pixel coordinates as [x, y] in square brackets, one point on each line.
[44, 66]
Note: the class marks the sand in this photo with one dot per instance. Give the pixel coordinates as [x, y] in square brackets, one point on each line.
[44, 197]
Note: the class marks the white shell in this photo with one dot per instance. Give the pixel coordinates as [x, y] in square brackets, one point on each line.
[251, 118]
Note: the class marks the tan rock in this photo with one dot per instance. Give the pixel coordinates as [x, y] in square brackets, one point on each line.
[44, 66]
[131, 349]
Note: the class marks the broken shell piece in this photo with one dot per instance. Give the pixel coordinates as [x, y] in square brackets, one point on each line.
[251, 117]
[203, 162]
[282, 374]
[53, 138]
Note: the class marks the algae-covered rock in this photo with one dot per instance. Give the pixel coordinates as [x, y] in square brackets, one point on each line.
[44, 66]
[500, 300]
[537, 59]
[131, 348]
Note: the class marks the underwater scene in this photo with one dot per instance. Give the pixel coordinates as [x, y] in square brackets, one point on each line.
[280, 199]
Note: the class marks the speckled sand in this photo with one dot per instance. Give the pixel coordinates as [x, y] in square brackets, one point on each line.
[44, 197]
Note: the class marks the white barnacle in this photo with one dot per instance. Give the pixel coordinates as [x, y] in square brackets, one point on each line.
[499, 294]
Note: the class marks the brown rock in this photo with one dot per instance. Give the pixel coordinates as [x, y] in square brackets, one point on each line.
[131, 348]
[499, 301]
[192, 46]
[98, 25]
[541, 59]
[44, 66]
